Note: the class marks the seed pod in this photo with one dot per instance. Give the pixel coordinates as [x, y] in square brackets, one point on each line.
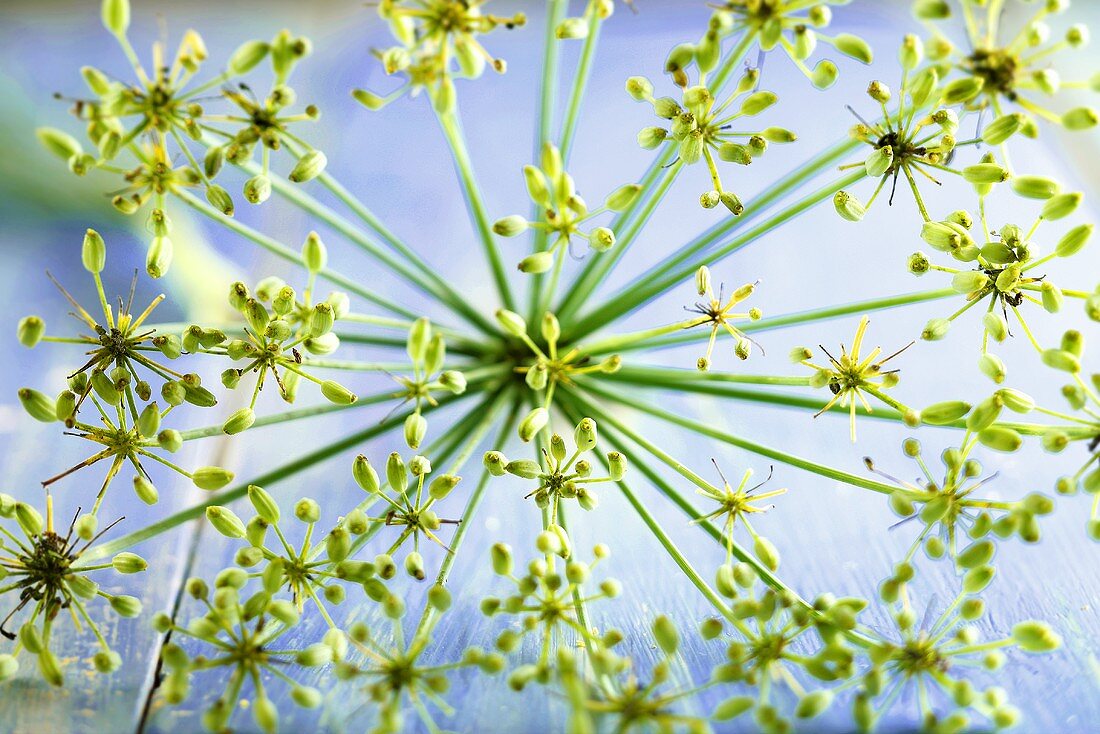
[848, 206]
[307, 510]
[940, 414]
[145, 490]
[1034, 636]
[534, 422]
[38, 405]
[247, 56]
[666, 635]
[308, 167]
[337, 393]
[225, 521]
[442, 485]
[159, 257]
[211, 477]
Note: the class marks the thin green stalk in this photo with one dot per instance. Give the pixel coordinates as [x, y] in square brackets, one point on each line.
[472, 505]
[415, 271]
[594, 271]
[224, 497]
[672, 377]
[675, 335]
[555, 12]
[286, 253]
[733, 440]
[580, 86]
[452, 130]
[657, 281]
[814, 404]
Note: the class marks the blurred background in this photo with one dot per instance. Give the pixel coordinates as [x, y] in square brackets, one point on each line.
[832, 537]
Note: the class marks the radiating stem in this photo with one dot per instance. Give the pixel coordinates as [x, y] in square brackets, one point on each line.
[662, 277]
[286, 253]
[742, 443]
[452, 130]
[675, 335]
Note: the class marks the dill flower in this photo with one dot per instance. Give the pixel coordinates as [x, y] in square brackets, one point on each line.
[717, 312]
[44, 570]
[545, 601]
[247, 639]
[394, 673]
[700, 127]
[952, 514]
[409, 510]
[789, 25]
[917, 137]
[853, 374]
[162, 114]
[273, 339]
[310, 572]
[613, 692]
[121, 354]
[1002, 276]
[561, 475]
[927, 656]
[779, 640]
[437, 42]
[1005, 66]
[562, 214]
[738, 504]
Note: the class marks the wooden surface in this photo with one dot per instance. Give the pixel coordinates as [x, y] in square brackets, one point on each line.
[833, 538]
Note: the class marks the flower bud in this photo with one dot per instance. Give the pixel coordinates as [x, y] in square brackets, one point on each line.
[495, 463]
[512, 323]
[129, 563]
[225, 521]
[442, 485]
[126, 606]
[1033, 636]
[246, 57]
[145, 490]
[848, 206]
[534, 422]
[940, 414]
[666, 635]
[159, 257]
[308, 167]
[240, 420]
[510, 226]
[38, 405]
[337, 393]
[211, 477]
[1080, 118]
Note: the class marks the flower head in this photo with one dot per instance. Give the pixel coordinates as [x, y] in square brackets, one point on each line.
[853, 374]
[931, 655]
[700, 127]
[718, 313]
[246, 638]
[46, 575]
[952, 510]
[1001, 276]
[561, 475]
[562, 214]
[428, 352]
[1008, 66]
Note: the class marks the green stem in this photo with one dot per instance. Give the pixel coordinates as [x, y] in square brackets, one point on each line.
[281, 250]
[468, 512]
[580, 86]
[673, 270]
[664, 337]
[672, 377]
[733, 440]
[420, 274]
[814, 404]
[452, 130]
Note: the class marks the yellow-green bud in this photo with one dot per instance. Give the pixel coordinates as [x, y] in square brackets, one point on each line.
[211, 477]
[337, 393]
[240, 420]
[38, 405]
[1035, 187]
[246, 57]
[145, 490]
[534, 422]
[308, 167]
[848, 206]
[940, 414]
